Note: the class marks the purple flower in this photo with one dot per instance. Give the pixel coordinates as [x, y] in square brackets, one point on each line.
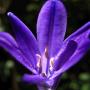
[50, 55]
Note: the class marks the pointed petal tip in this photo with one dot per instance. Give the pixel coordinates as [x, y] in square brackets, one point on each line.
[9, 14]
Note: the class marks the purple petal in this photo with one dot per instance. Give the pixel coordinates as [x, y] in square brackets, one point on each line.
[25, 39]
[81, 36]
[83, 41]
[33, 79]
[11, 46]
[65, 54]
[38, 80]
[78, 32]
[51, 26]
[72, 61]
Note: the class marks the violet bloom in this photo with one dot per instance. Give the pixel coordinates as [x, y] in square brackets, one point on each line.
[50, 55]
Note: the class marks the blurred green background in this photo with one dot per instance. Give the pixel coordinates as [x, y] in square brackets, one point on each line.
[77, 78]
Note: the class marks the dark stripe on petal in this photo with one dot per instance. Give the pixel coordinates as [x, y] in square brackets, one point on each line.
[51, 26]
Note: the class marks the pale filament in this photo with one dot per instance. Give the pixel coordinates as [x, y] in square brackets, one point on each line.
[51, 64]
[44, 61]
[39, 60]
[59, 53]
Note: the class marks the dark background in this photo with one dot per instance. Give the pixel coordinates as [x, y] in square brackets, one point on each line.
[77, 78]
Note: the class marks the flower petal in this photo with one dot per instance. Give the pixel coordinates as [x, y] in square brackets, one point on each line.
[82, 38]
[64, 54]
[51, 26]
[72, 61]
[11, 46]
[25, 39]
[83, 41]
[78, 32]
[34, 79]
[37, 79]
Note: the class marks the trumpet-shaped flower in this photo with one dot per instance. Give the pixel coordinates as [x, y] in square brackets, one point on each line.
[50, 55]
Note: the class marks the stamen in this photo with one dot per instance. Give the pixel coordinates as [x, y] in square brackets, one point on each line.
[51, 64]
[52, 61]
[39, 60]
[39, 63]
[39, 56]
[46, 52]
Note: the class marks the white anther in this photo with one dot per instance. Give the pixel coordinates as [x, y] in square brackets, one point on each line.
[39, 56]
[46, 52]
[39, 60]
[39, 63]
[51, 63]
